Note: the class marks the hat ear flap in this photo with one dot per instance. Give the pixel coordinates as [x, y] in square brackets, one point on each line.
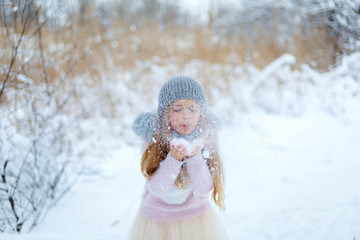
[144, 126]
[214, 121]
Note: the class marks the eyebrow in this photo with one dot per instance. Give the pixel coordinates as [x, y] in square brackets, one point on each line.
[177, 105]
[180, 105]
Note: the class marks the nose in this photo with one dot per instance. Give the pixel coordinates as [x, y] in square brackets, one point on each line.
[186, 114]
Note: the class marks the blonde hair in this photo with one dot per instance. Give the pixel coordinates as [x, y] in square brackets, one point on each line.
[159, 149]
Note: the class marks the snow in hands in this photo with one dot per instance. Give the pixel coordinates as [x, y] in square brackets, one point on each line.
[189, 147]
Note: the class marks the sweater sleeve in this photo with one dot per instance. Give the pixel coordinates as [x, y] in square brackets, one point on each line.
[199, 173]
[165, 176]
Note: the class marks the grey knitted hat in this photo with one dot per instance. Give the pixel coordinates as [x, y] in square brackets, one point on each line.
[180, 87]
[176, 88]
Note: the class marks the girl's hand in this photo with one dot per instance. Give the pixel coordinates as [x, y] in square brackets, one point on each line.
[178, 152]
[195, 151]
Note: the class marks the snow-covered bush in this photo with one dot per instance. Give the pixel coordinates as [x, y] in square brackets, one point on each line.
[343, 18]
[283, 90]
[36, 160]
[316, 32]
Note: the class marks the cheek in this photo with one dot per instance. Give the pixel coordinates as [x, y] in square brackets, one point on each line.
[174, 119]
[195, 119]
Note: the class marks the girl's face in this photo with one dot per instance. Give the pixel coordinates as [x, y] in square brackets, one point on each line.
[184, 116]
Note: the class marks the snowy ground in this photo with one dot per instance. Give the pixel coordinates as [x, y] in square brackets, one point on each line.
[288, 178]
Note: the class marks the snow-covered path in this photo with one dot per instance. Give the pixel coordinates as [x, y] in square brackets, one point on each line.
[294, 178]
[286, 179]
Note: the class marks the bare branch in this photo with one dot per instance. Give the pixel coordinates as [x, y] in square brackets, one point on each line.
[25, 26]
[35, 176]
[42, 57]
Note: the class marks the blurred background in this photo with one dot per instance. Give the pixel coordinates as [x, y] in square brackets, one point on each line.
[75, 73]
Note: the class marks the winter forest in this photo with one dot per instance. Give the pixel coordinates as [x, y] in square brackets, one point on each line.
[283, 77]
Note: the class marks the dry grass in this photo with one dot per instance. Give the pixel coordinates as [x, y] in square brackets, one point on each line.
[117, 45]
[93, 49]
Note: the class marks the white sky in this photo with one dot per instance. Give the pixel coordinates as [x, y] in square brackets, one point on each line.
[203, 5]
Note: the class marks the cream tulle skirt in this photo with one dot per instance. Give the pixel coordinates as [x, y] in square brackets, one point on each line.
[204, 227]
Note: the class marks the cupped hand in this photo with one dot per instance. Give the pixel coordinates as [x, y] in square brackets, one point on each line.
[178, 152]
[196, 151]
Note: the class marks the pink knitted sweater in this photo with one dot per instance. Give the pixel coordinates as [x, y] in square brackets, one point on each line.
[196, 200]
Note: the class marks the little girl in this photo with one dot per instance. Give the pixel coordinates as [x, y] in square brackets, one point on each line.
[181, 164]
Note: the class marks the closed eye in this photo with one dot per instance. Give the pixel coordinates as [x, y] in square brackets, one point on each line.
[177, 108]
[193, 109]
